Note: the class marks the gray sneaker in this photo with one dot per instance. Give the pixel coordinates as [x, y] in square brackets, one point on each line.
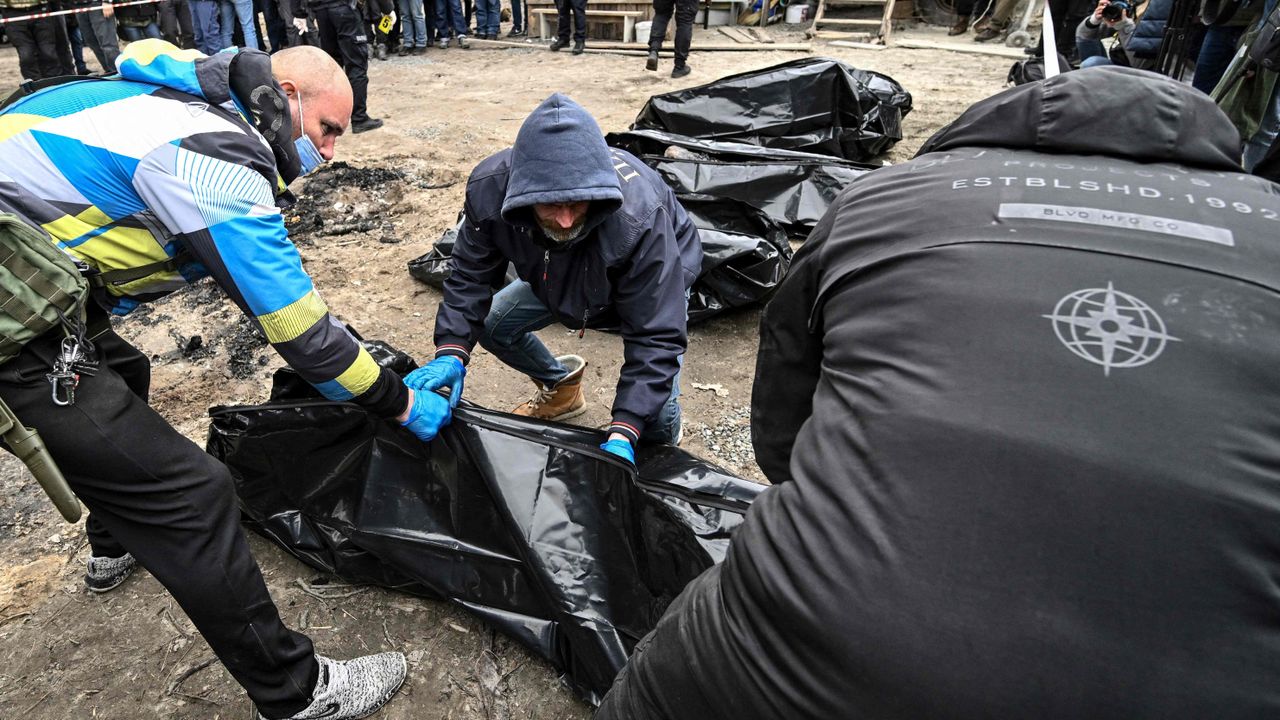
[352, 689]
[107, 573]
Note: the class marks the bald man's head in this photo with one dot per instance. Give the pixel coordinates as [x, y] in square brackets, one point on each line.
[319, 94]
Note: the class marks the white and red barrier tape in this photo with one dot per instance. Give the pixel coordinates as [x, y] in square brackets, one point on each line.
[73, 11]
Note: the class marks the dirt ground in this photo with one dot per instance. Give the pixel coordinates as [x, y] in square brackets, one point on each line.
[132, 653]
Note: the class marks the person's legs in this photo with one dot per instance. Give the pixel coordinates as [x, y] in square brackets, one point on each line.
[346, 39]
[226, 23]
[442, 20]
[248, 24]
[131, 33]
[481, 12]
[404, 8]
[1257, 146]
[54, 47]
[87, 35]
[173, 507]
[1090, 49]
[23, 37]
[459, 20]
[108, 44]
[508, 333]
[517, 18]
[415, 23]
[686, 10]
[564, 15]
[662, 10]
[1095, 61]
[186, 31]
[1216, 52]
[77, 46]
[205, 25]
[495, 17]
[579, 20]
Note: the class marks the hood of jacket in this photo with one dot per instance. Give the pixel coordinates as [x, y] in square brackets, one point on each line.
[560, 156]
[1114, 111]
[238, 78]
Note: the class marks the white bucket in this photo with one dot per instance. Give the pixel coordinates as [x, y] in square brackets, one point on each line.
[797, 13]
[642, 31]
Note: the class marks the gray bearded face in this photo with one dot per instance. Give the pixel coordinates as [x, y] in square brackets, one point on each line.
[562, 236]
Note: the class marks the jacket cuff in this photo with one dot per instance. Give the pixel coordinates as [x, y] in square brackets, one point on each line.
[387, 397]
[627, 424]
[456, 347]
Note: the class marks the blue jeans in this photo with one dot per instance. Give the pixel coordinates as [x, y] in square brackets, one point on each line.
[444, 10]
[1216, 52]
[205, 27]
[230, 10]
[508, 333]
[1092, 53]
[413, 24]
[133, 34]
[488, 16]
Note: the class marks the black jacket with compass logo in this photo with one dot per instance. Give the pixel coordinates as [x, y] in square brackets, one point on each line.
[1020, 398]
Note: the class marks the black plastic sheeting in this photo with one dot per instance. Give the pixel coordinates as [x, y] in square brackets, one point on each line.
[816, 105]
[433, 268]
[528, 525]
[793, 188]
[745, 255]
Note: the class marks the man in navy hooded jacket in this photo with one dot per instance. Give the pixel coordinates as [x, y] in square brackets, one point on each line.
[598, 241]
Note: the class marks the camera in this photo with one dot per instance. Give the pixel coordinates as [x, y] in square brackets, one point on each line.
[1115, 10]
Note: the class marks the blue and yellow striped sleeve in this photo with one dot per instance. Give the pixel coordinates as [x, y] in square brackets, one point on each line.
[214, 194]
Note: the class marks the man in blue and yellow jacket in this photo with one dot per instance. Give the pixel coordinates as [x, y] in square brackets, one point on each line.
[168, 173]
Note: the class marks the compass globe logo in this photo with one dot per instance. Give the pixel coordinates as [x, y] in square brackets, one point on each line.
[1109, 328]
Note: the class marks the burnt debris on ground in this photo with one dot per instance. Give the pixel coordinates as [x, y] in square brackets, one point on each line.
[342, 199]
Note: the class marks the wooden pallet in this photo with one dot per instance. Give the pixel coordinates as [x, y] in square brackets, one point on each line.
[829, 25]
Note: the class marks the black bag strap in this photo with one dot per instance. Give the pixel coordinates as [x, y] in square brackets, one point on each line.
[31, 87]
[128, 275]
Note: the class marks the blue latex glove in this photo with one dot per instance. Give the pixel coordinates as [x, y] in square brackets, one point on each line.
[429, 413]
[621, 448]
[443, 372]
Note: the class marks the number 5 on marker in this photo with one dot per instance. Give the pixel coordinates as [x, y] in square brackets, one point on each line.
[387, 22]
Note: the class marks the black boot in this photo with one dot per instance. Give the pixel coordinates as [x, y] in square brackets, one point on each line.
[579, 46]
[680, 71]
[559, 43]
[651, 63]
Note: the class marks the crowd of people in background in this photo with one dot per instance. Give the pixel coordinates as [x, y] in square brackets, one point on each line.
[352, 32]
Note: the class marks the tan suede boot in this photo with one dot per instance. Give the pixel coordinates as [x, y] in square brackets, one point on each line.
[561, 401]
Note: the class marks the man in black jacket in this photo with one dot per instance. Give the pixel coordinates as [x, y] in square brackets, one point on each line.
[598, 240]
[1018, 400]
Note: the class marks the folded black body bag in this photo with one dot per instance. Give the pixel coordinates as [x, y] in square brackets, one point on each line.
[816, 105]
[526, 524]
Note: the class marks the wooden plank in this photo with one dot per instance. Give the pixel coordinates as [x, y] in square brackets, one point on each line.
[851, 23]
[856, 45]
[761, 35]
[736, 34]
[886, 23]
[962, 48]
[833, 35]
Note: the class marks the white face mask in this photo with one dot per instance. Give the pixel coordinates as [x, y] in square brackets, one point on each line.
[309, 157]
